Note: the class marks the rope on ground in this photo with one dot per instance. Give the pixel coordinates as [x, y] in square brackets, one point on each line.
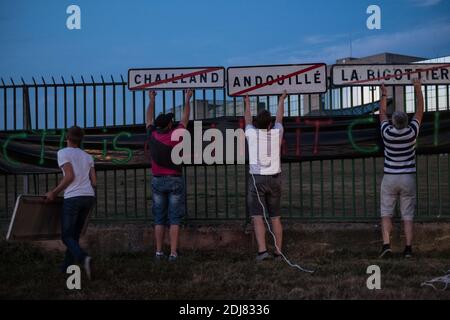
[434, 283]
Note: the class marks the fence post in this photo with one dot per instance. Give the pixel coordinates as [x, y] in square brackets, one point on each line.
[26, 126]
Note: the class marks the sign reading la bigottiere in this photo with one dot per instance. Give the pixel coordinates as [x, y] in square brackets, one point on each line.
[274, 79]
[176, 78]
[390, 74]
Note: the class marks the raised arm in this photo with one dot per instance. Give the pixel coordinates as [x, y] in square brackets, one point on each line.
[383, 104]
[280, 110]
[187, 108]
[419, 99]
[150, 109]
[247, 112]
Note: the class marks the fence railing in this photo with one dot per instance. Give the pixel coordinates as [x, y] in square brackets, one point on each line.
[340, 189]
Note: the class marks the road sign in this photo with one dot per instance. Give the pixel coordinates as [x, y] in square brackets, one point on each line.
[389, 74]
[176, 78]
[273, 79]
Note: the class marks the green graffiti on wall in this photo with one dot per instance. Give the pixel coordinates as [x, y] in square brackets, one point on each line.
[360, 121]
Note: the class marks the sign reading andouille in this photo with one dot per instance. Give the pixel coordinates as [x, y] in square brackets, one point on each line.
[274, 79]
[176, 78]
[390, 74]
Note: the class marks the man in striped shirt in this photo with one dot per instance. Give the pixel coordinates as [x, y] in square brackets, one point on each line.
[399, 180]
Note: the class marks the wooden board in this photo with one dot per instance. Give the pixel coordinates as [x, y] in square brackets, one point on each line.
[36, 219]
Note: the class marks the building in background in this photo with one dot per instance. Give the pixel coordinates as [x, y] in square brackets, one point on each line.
[347, 100]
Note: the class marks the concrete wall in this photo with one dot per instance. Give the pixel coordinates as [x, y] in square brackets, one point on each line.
[138, 237]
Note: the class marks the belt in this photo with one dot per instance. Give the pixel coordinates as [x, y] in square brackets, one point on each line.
[268, 175]
[168, 175]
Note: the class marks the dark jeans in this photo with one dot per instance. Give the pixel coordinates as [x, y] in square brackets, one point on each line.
[75, 212]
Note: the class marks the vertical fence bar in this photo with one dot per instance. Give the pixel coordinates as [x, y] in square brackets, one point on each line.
[145, 170]
[311, 188]
[330, 96]
[124, 101]
[216, 196]
[7, 191]
[225, 166]
[14, 106]
[55, 103]
[65, 102]
[135, 192]
[84, 103]
[300, 174]
[114, 101]
[75, 116]
[133, 95]
[438, 159]
[236, 207]
[45, 104]
[289, 164]
[36, 104]
[341, 102]
[426, 158]
[5, 110]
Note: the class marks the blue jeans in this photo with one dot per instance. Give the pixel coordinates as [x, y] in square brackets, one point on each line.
[75, 212]
[168, 200]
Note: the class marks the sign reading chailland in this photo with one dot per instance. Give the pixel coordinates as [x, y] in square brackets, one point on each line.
[176, 78]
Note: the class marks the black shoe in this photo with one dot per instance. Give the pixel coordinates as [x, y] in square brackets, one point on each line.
[386, 252]
[277, 257]
[407, 253]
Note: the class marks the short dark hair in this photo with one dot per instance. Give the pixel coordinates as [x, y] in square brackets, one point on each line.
[163, 120]
[75, 135]
[400, 120]
[263, 119]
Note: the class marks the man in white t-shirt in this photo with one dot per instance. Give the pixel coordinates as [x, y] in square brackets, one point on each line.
[264, 187]
[78, 183]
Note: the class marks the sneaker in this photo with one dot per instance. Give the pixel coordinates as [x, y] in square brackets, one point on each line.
[262, 256]
[407, 253]
[87, 266]
[173, 258]
[159, 256]
[386, 251]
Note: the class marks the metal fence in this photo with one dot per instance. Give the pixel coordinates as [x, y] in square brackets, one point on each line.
[325, 190]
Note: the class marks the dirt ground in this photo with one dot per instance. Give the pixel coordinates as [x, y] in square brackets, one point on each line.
[339, 257]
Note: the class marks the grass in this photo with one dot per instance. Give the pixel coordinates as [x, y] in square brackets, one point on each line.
[340, 261]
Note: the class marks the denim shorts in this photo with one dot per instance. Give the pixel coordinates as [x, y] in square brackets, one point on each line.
[168, 200]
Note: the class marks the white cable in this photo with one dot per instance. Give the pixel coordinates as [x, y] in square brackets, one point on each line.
[273, 235]
[444, 279]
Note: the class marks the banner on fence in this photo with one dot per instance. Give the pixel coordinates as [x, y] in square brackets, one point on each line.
[274, 79]
[305, 138]
[176, 78]
[389, 74]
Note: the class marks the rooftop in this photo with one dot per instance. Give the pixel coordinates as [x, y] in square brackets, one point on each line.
[385, 57]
